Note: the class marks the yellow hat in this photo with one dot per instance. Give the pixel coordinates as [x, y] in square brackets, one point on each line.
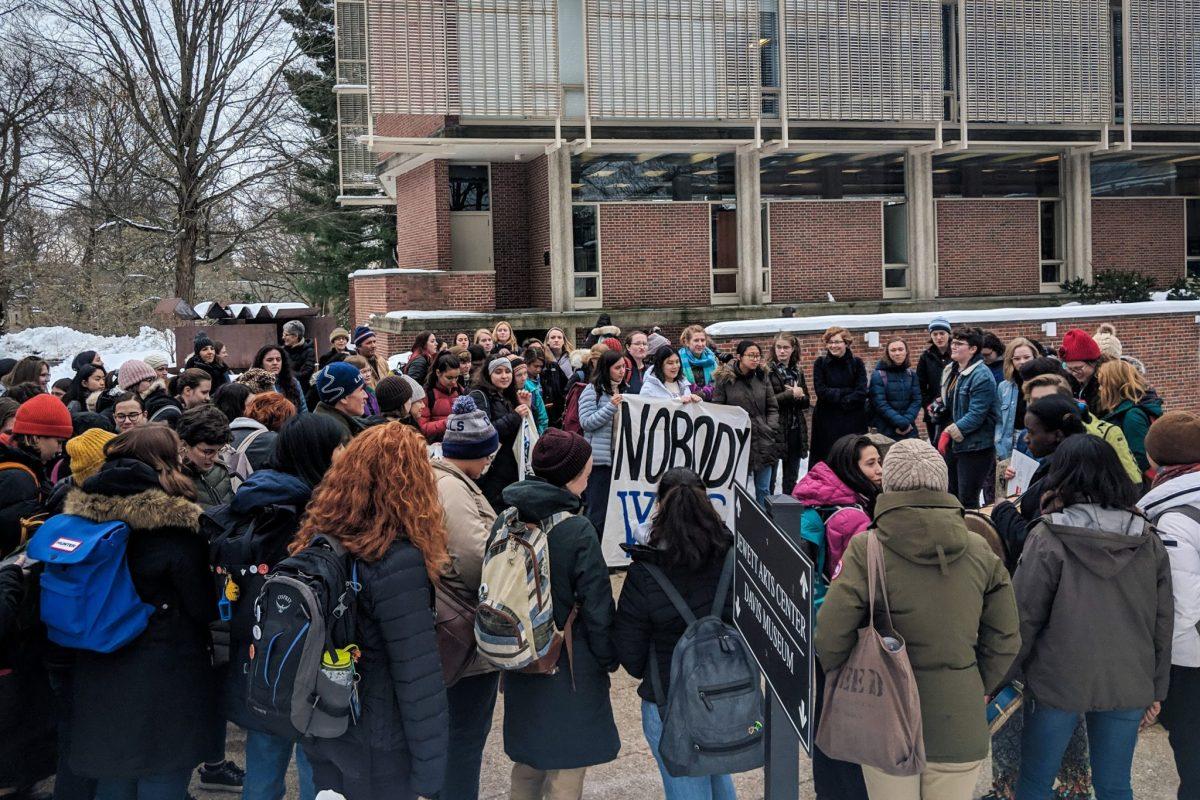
[87, 453]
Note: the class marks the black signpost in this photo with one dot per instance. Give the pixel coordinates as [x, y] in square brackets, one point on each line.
[772, 608]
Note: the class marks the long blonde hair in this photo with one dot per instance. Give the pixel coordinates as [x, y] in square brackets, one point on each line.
[1010, 351]
[1119, 380]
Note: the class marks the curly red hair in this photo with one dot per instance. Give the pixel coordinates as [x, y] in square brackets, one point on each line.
[270, 409]
[382, 488]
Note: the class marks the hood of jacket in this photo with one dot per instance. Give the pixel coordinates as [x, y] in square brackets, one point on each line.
[535, 500]
[129, 491]
[887, 365]
[1151, 403]
[1103, 540]
[1183, 490]
[821, 487]
[922, 526]
[269, 487]
[246, 424]
[727, 373]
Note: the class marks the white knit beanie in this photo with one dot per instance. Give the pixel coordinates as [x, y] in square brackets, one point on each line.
[913, 464]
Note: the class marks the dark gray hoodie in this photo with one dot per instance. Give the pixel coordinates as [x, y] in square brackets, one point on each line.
[1094, 595]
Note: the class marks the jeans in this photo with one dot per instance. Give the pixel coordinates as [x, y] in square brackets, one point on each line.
[762, 485]
[596, 497]
[711, 787]
[1112, 735]
[164, 786]
[471, 703]
[1181, 717]
[968, 474]
[267, 760]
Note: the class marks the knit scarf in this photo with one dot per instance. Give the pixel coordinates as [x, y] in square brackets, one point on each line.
[1165, 474]
[707, 362]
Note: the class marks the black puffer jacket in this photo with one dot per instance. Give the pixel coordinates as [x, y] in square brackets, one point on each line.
[507, 422]
[216, 370]
[404, 714]
[929, 375]
[21, 494]
[840, 385]
[646, 617]
[150, 706]
[27, 749]
[161, 407]
[304, 361]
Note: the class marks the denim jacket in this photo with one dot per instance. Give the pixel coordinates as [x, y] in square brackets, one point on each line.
[1006, 405]
[974, 405]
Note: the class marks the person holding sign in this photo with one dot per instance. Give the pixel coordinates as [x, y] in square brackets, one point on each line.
[744, 384]
[666, 378]
[598, 405]
[505, 405]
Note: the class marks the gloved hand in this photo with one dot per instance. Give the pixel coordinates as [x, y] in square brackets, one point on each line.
[954, 433]
[943, 445]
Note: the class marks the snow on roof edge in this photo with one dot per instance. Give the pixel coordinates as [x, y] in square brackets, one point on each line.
[417, 314]
[913, 319]
[371, 273]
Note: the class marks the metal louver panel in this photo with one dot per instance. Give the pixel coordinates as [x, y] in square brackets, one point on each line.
[351, 23]
[864, 59]
[356, 163]
[673, 59]
[1039, 61]
[464, 57]
[1165, 53]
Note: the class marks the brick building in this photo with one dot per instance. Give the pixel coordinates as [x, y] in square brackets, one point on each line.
[683, 160]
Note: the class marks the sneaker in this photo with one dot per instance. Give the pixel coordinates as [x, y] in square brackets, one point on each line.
[225, 777]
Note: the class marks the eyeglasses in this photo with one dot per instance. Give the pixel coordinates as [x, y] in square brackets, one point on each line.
[956, 343]
[127, 417]
[752, 356]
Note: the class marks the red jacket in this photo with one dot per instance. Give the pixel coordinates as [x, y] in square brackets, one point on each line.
[437, 409]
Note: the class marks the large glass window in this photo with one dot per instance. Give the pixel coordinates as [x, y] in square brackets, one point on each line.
[651, 176]
[832, 176]
[469, 187]
[1013, 175]
[1193, 238]
[1166, 175]
[895, 247]
[1050, 230]
[585, 232]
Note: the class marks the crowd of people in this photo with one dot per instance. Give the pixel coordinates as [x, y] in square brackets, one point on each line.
[1086, 591]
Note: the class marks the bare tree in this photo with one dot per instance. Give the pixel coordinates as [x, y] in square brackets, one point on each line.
[203, 81]
[30, 92]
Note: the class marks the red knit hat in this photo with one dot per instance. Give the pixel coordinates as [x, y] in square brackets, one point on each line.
[43, 415]
[1079, 346]
[612, 343]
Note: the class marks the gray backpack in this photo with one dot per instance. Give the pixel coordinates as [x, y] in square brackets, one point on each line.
[713, 718]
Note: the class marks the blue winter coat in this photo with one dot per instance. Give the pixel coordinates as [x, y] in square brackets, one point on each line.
[895, 399]
[596, 416]
[972, 405]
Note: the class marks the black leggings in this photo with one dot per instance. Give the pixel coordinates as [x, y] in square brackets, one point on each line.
[968, 474]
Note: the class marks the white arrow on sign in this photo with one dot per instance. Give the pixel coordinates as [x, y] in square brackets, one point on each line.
[803, 715]
[737, 606]
[804, 585]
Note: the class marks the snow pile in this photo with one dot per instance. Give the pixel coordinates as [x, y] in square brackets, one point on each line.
[59, 345]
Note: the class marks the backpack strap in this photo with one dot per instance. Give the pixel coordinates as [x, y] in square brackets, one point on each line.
[1189, 511]
[724, 584]
[672, 593]
[23, 467]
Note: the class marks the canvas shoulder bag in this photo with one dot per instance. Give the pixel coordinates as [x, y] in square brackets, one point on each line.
[875, 691]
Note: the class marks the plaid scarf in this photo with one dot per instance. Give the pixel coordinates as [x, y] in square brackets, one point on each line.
[1165, 474]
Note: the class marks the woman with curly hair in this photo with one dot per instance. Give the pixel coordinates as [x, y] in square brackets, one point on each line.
[274, 360]
[398, 747]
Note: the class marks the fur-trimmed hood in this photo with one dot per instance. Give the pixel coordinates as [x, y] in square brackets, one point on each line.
[146, 510]
[727, 373]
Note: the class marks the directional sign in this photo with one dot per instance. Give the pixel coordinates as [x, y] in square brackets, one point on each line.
[772, 607]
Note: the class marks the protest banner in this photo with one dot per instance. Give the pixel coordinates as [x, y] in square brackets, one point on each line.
[523, 447]
[653, 435]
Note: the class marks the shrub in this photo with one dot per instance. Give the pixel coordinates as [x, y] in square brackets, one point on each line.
[1112, 286]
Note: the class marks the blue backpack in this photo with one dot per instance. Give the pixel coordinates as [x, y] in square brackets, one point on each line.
[88, 598]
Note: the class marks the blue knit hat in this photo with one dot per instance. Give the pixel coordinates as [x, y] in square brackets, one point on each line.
[361, 334]
[469, 432]
[939, 324]
[337, 381]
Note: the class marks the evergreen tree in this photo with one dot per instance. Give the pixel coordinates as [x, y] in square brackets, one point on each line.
[336, 240]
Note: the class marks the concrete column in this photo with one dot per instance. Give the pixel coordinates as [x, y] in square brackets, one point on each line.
[749, 226]
[562, 248]
[1076, 183]
[922, 226]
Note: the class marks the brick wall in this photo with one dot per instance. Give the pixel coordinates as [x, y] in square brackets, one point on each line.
[455, 291]
[655, 254]
[423, 217]
[1140, 235]
[1169, 345]
[987, 247]
[537, 200]
[510, 235]
[411, 125]
[834, 247]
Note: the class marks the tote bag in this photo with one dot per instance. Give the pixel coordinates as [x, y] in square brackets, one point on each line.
[872, 713]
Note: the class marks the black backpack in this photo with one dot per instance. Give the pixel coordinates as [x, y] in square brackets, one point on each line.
[301, 678]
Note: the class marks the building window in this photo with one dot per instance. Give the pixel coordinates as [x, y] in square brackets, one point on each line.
[1193, 238]
[765, 218]
[724, 252]
[831, 176]
[585, 233]
[469, 187]
[651, 176]
[768, 55]
[1050, 225]
[1166, 175]
[895, 249]
[1016, 175]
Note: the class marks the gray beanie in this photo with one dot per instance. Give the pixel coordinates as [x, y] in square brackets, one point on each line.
[657, 340]
[295, 327]
[913, 464]
[469, 433]
[497, 363]
[418, 391]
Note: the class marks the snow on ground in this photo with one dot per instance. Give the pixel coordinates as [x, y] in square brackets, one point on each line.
[60, 344]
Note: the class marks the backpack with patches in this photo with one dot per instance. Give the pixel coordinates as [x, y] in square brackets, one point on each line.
[301, 678]
[88, 600]
[514, 623]
[713, 719]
